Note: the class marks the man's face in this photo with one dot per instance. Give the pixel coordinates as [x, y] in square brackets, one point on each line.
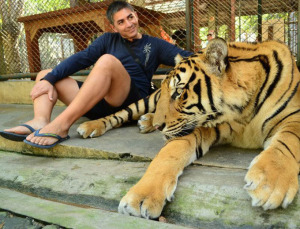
[126, 23]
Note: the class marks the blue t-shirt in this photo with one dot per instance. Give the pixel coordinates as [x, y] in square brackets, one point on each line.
[151, 51]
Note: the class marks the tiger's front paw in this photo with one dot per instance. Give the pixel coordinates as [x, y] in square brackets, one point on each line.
[92, 129]
[146, 201]
[272, 180]
[145, 123]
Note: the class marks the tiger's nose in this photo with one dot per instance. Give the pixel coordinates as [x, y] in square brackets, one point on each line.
[160, 126]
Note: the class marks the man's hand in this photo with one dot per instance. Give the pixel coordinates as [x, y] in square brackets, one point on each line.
[40, 88]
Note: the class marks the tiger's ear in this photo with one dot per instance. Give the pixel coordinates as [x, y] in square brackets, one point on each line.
[178, 58]
[216, 55]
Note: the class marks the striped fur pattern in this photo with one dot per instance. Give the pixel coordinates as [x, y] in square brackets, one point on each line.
[134, 111]
[242, 94]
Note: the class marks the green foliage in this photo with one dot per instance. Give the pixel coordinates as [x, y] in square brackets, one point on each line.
[203, 33]
[43, 6]
[223, 32]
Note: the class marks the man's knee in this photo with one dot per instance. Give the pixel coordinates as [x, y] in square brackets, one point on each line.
[108, 61]
[111, 67]
[42, 74]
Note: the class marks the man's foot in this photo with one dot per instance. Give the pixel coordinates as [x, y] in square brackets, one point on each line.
[37, 134]
[24, 130]
[44, 138]
[19, 133]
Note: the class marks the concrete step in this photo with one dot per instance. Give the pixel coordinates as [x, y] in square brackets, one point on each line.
[71, 216]
[17, 91]
[98, 172]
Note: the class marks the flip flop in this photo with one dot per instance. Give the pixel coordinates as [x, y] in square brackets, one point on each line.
[16, 137]
[38, 134]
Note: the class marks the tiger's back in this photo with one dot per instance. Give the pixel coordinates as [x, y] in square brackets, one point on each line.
[257, 87]
[269, 72]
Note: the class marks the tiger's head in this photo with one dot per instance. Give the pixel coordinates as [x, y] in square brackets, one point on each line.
[195, 92]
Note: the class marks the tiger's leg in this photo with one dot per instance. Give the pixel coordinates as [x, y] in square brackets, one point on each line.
[272, 179]
[134, 111]
[148, 197]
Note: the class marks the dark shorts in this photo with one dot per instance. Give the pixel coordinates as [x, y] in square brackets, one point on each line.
[102, 108]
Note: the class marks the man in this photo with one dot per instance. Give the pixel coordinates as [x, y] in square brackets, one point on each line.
[115, 81]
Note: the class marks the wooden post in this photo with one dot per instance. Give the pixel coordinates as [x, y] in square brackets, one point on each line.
[196, 30]
[188, 19]
[259, 20]
[33, 51]
[232, 21]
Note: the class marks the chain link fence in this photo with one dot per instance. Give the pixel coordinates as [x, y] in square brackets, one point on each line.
[39, 34]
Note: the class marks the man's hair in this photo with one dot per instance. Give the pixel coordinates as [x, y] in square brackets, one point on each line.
[115, 7]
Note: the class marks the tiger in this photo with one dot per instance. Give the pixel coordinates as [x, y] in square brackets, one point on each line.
[243, 94]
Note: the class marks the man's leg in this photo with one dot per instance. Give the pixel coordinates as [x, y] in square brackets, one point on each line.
[65, 90]
[108, 79]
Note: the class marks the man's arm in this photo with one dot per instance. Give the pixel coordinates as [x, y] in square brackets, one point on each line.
[169, 51]
[77, 61]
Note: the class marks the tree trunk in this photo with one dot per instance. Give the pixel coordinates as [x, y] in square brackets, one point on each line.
[10, 10]
[2, 59]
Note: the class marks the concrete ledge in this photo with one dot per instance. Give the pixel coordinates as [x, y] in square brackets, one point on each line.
[18, 91]
[71, 216]
[206, 197]
[129, 146]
